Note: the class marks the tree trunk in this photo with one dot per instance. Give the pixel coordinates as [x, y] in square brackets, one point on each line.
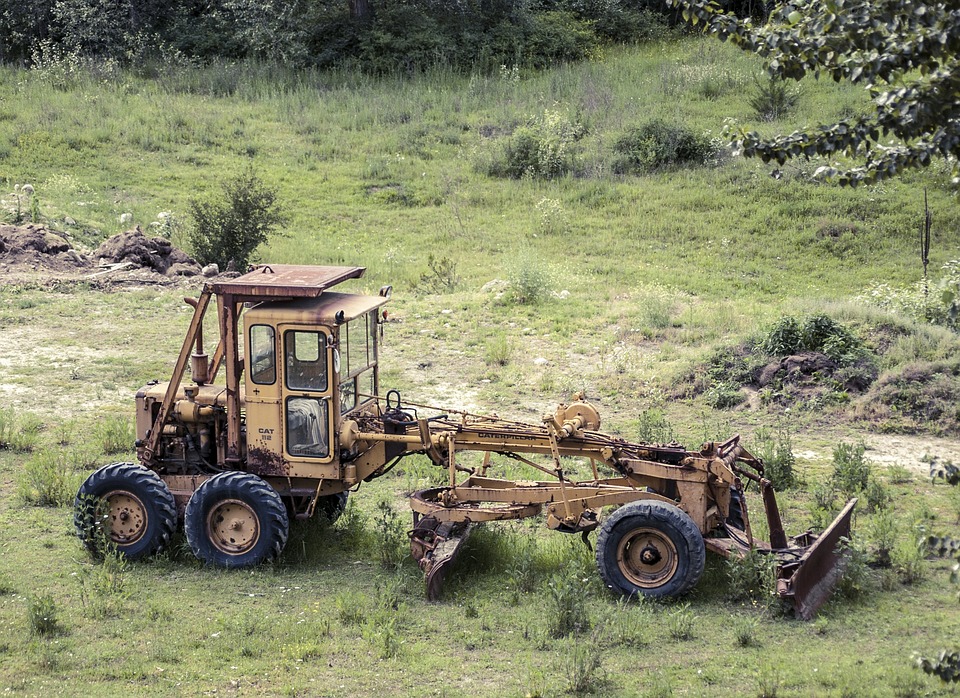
[361, 10]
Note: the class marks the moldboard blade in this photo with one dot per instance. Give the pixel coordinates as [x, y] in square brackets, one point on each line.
[818, 569]
[435, 546]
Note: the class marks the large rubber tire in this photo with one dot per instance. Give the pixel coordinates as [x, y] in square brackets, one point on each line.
[331, 506]
[236, 519]
[650, 548]
[139, 512]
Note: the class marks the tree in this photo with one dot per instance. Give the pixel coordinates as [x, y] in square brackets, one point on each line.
[906, 53]
[232, 228]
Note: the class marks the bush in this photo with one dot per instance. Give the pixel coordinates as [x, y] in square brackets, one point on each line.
[851, 471]
[774, 98]
[776, 452]
[529, 278]
[232, 228]
[819, 333]
[390, 535]
[542, 148]
[557, 37]
[42, 614]
[48, 479]
[658, 144]
[568, 602]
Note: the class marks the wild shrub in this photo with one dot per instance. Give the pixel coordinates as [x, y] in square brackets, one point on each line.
[115, 434]
[821, 333]
[654, 427]
[497, 351]
[231, 228]
[544, 147]
[103, 583]
[350, 608]
[856, 580]
[382, 631]
[390, 536]
[936, 301]
[882, 532]
[42, 615]
[681, 623]
[583, 664]
[775, 449]
[851, 471]
[529, 278]
[48, 479]
[723, 395]
[907, 558]
[352, 525]
[752, 578]
[774, 98]
[552, 217]
[745, 631]
[658, 144]
[19, 431]
[567, 602]
[441, 276]
[556, 36]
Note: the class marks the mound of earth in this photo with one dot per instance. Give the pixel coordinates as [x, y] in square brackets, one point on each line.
[36, 247]
[157, 253]
[32, 252]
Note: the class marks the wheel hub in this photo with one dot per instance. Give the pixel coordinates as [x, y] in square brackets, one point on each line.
[233, 527]
[650, 555]
[126, 516]
[647, 558]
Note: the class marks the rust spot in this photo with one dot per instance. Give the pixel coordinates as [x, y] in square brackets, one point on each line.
[262, 462]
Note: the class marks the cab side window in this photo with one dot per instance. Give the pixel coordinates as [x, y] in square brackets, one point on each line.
[263, 355]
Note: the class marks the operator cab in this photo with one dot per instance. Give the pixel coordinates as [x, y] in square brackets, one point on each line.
[310, 363]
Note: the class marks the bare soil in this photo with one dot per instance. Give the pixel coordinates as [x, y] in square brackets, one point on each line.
[35, 254]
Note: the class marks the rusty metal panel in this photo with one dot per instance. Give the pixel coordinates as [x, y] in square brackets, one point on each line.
[322, 311]
[819, 569]
[286, 281]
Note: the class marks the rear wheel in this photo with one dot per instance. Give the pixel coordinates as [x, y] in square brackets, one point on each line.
[127, 506]
[650, 548]
[236, 519]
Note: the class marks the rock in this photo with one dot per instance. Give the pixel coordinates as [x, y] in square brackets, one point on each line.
[126, 218]
[797, 367]
[184, 269]
[67, 220]
[27, 189]
[540, 361]
[210, 270]
[495, 285]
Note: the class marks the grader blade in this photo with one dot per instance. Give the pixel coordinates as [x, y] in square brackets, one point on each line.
[435, 545]
[807, 582]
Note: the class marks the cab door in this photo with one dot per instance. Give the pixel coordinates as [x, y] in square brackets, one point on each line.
[306, 401]
[262, 400]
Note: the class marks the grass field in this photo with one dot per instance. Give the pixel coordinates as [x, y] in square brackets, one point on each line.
[640, 282]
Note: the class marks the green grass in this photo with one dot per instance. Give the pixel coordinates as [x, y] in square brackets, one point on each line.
[639, 280]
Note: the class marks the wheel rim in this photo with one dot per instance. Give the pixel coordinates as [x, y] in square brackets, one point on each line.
[233, 527]
[647, 557]
[127, 516]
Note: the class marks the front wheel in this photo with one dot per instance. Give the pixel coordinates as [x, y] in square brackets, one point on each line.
[236, 519]
[127, 506]
[650, 548]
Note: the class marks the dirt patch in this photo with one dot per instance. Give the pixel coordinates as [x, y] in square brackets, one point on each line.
[36, 248]
[36, 254]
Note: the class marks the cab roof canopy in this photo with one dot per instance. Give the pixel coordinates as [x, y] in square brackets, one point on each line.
[277, 281]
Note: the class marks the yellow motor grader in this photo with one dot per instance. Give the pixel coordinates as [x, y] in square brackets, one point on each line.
[299, 421]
